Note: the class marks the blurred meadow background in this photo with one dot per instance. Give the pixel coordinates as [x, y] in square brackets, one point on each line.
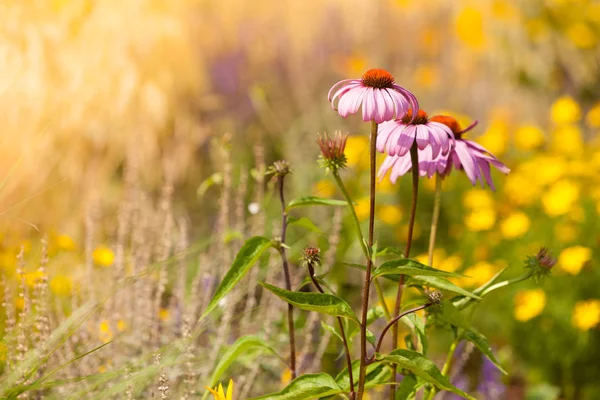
[135, 135]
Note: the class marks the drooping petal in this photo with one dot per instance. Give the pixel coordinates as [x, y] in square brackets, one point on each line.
[337, 85]
[406, 140]
[385, 166]
[351, 101]
[401, 103]
[466, 161]
[392, 144]
[422, 136]
[485, 170]
[390, 107]
[383, 135]
[411, 99]
[368, 106]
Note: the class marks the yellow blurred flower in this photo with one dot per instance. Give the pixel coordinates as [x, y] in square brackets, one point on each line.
[402, 232]
[479, 273]
[164, 315]
[121, 325]
[103, 256]
[19, 303]
[65, 242]
[568, 139]
[427, 75]
[469, 28]
[362, 208]
[450, 264]
[480, 220]
[536, 29]
[529, 304]
[593, 116]
[391, 215]
[357, 151]
[31, 278]
[495, 137]
[522, 189]
[324, 188]
[438, 255]
[504, 10]
[2, 352]
[356, 65]
[61, 285]
[572, 259]
[105, 334]
[478, 198]
[515, 225]
[286, 377]
[586, 314]
[529, 137]
[581, 35]
[220, 394]
[560, 198]
[565, 110]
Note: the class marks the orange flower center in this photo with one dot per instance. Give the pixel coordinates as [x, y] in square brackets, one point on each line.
[450, 122]
[378, 78]
[420, 119]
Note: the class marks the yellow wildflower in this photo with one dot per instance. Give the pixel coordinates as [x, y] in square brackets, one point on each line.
[568, 139]
[105, 334]
[586, 314]
[31, 278]
[324, 188]
[61, 285]
[582, 35]
[480, 220]
[450, 264]
[390, 215]
[560, 198]
[469, 28]
[565, 110]
[529, 137]
[515, 225]
[495, 137]
[164, 315]
[479, 273]
[65, 242]
[572, 259]
[286, 377]
[529, 304]
[357, 151]
[521, 189]
[478, 198]
[220, 394]
[593, 116]
[103, 256]
[362, 208]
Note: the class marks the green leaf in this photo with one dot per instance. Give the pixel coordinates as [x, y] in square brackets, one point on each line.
[314, 201]
[320, 302]
[442, 284]
[241, 346]
[450, 314]
[422, 367]
[377, 374]
[305, 223]
[214, 179]
[407, 266]
[384, 251]
[331, 329]
[481, 342]
[306, 387]
[245, 258]
[417, 324]
[374, 314]
[407, 386]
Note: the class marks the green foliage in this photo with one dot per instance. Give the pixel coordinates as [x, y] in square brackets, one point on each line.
[410, 267]
[246, 257]
[320, 302]
[377, 374]
[314, 201]
[439, 283]
[306, 387]
[305, 223]
[407, 387]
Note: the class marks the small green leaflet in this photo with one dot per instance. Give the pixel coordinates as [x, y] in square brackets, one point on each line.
[407, 266]
[306, 387]
[305, 223]
[314, 201]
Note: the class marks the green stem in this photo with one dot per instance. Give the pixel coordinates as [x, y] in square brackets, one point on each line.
[414, 158]
[437, 201]
[361, 239]
[446, 367]
[485, 289]
[365, 301]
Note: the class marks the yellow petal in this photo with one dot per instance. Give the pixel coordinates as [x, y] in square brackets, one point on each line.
[214, 393]
[221, 392]
[229, 390]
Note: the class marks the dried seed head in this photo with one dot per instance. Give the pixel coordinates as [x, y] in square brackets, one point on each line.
[435, 297]
[378, 78]
[279, 168]
[311, 256]
[541, 264]
[332, 151]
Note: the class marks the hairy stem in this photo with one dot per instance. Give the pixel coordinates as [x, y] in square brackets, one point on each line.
[288, 281]
[311, 272]
[361, 239]
[365, 300]
[437, 201]
[414, 158]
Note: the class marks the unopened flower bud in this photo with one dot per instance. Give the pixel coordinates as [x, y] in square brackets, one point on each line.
[435, 297]
[332, 151]
[311, 256]
[541, 264]
[279, 168]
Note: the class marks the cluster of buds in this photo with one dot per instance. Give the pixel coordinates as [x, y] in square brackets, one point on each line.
[332, 151]
[541, 264]
[279, 168]
[311, 256]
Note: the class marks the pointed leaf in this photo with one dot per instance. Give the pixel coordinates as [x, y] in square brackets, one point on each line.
[417, 324]
[481, 342]
[245, 258]
[442, 284]
[407, 386]
[305, 223]
[331, 329]
[312, 201]
[320, 302]
[377, 373]
[422, 367]
[241, 346]
[450, 314]
[306, 387]
[407, 266]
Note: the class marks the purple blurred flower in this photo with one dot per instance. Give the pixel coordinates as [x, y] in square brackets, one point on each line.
[397, 137]
[490, 382]
[381, 99]
[469, 156]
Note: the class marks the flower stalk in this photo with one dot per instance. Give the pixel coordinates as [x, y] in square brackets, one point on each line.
[437, 201]
[366, 290]
[414, 157]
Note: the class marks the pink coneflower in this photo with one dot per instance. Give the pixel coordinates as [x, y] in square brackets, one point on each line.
[400, 165]
[397, 137]
[469, 156]
[381, 99]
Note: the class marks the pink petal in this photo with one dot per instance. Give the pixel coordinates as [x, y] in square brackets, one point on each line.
[337, 85]
[406, 140]
[368, 107]
[485, 169]
[422, 136]
[350, 101]
[466, 161]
